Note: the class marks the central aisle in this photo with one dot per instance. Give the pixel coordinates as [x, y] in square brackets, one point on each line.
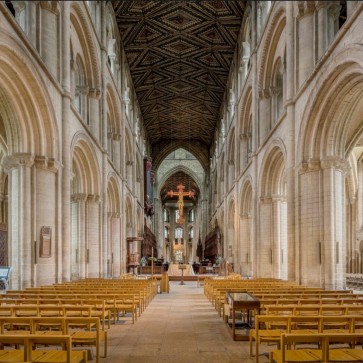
[179, 327]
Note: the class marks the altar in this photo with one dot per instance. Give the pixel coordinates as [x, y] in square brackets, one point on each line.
[175, 271]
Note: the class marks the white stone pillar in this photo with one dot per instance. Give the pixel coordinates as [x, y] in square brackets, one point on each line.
[116, 245]
[21, 244]
[290, 260]
[49, 46]
[265, 244]
[334, 223]
[94, 114]
[322, 7]
[264, 114]
[45, 208]
[305, 38]
[95, 258]
[244, 240]
[66, 144]
[80, 244]
[309, 251]
[32, 22]
[103, 220]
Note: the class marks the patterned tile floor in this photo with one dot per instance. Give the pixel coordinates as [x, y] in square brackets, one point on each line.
[181, 326]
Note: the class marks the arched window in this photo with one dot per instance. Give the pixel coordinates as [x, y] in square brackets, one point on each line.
[191, 233]
[178, 232]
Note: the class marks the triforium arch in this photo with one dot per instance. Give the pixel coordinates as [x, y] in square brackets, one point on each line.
[272, 246]
[29, 161]
[270, 83]
[330, 132]
[86, 254]
[114, 235]
[85, 69]
[246, 237]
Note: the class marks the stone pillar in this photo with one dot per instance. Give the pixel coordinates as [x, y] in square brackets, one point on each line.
[322, 8]
[115, 258]
[305, 39]
[96, 258]
[46, 209]
[94, 114]
[264, 250]
[104, 178]
[292, 227]
[49, 49]
[264, 114]
[244, 239]
[116, 140]
[32, 23]
[334, 226]
[66, 144]
[21, 248]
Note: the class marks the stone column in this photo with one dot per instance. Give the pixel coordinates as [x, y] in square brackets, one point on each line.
[65, 143]
[103, 219]
[49, 49]
[292, 226]
[264, 114]
[32, 22]
[244, 239]
[305, 39]
[322, 8]
[96, 258]
[79, 245]
[94, 114]
[116, 151]
[21, 248]
[334, 226]
[46, 209]
[264, 251]
[116, 245]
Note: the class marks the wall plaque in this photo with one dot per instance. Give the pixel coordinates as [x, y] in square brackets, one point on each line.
[45, 241]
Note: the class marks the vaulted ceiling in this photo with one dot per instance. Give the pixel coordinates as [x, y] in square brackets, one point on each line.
[179, 53]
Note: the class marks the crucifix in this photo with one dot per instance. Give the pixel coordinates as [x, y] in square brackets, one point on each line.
[180, 193]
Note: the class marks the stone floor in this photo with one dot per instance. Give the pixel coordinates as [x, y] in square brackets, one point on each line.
[181, 326]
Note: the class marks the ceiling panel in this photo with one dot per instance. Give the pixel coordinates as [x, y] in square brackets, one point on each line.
[179, 53]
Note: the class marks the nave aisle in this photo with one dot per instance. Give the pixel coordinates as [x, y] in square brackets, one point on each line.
[179, 327]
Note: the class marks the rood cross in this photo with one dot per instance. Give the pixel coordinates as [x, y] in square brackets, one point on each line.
[180, 193]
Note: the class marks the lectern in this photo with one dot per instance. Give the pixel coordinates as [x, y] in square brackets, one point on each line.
[182, 268]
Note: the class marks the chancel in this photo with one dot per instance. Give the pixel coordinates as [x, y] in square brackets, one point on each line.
[138, 136]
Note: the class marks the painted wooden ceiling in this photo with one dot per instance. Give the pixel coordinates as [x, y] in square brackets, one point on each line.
[179, 54]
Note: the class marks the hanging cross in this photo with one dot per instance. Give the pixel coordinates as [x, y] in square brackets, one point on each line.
[180, 193]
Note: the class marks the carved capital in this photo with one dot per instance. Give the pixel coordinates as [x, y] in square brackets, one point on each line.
[16, 160]
[335, 163]
[93, 198]
[310, 165]
[305, 8]
[334, 10]
[275, 91]
[130, 162]
[52, 6]
[79, 197]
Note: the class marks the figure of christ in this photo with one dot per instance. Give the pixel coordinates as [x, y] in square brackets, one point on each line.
[180, 193]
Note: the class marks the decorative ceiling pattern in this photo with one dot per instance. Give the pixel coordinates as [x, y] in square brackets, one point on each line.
[179, 53]
[172, 183]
